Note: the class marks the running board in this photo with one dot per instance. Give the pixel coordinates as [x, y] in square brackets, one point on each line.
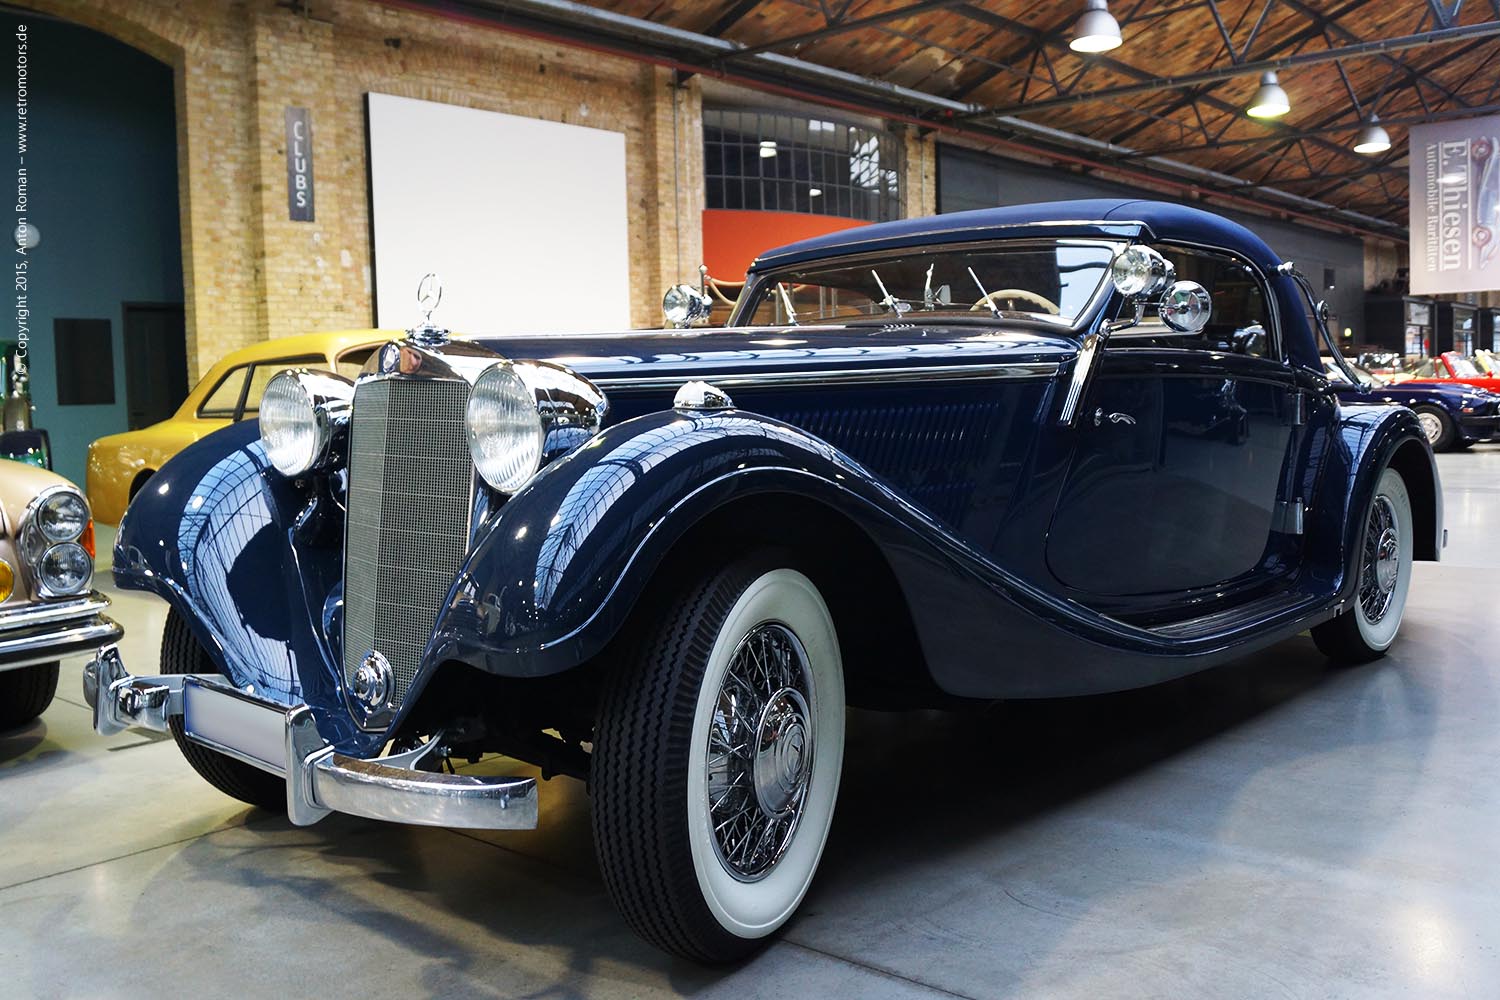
[1254, 614]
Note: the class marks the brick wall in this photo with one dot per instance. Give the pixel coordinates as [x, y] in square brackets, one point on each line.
[251, 273]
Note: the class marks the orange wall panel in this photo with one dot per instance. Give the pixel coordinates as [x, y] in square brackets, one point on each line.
[733, 238]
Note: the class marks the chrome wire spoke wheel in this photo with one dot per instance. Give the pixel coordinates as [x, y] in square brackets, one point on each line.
[760, 751]
[1382, 560]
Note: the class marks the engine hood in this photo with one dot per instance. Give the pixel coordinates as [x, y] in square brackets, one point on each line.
[659, 356]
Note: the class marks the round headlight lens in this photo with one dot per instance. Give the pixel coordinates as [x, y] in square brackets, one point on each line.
[676, 305]
[62, 517]
[289, 425]
[505, 429]
[684, 304]
[7, 580]
[1131, 271]
[65, 568]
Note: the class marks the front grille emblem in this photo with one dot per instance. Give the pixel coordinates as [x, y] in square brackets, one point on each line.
[373, 681]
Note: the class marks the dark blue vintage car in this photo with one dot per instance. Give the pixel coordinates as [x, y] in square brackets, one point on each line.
[1454, 416]
[1028, 452]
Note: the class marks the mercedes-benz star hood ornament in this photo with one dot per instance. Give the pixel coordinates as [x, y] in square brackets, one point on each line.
[429, 295]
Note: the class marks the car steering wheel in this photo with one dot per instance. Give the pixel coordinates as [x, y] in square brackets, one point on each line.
[1016, 293]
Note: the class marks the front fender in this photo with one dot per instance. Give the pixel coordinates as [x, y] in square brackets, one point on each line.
[552, 579]
[253, 563]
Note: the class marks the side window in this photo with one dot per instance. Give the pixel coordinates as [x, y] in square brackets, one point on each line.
[224, 400]
[1240, 322]
[261, 373]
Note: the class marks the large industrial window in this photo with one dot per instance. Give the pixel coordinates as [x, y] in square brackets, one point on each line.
[782, 163]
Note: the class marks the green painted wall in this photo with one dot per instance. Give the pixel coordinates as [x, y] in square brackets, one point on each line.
[102, 172]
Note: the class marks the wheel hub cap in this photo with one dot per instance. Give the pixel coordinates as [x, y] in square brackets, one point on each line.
[760, 751]
[1431, 426]
[781, 752]
[1380, 568]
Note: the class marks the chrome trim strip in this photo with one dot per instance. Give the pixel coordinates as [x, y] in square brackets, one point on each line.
[1092, 344]
[43, 645]
[1104, 225]
[855, 376]
[37, 614]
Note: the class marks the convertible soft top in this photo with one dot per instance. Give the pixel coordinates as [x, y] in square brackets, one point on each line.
[1092, 216]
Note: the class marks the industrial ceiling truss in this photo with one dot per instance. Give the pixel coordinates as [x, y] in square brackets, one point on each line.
[1167, 108]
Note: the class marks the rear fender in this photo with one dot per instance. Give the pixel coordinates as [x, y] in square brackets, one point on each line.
[1367, 440]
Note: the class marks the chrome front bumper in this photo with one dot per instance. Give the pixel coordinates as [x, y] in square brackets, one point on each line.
[44, 631]
[285, 741]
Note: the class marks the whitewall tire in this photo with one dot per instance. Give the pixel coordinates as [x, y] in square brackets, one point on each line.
[1384, 565]
[717, 759]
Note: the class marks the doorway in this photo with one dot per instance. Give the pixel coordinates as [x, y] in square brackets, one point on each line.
[155, 361]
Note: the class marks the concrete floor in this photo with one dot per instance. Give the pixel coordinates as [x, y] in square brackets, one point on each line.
[1276, 828]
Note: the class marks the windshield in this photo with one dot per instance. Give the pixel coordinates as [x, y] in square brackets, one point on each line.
[1337, 374]
[1051, 282]
[1463, 367]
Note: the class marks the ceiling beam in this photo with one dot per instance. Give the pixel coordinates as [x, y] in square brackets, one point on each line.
[1289, 42]
[732, 15]
[1418, 118]
[1352, 51]
[839, 27]
[602, 30]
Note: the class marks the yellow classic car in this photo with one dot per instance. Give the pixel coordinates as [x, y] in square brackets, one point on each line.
[120, 464]
[48, 607]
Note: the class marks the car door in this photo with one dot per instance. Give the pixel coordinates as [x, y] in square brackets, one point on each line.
[1180, 472]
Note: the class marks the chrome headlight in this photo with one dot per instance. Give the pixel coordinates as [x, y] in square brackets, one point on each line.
[1139, 271]
[523, 413]
[684, 305]
[62, 517]
[301, 412]
[57, 542]
[65, 569]
[505, 428]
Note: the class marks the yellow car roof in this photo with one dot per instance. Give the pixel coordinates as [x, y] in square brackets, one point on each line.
[326, 342]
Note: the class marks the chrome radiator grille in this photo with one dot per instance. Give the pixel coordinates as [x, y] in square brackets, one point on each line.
[410, 488]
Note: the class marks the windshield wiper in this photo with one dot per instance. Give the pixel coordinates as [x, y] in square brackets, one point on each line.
[994, 309]
[786, 300]
[890, 301]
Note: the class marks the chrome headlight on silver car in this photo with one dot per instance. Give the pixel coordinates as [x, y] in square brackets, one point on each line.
[57, 542]
[61, 517]
[301, 412]
[523, 413]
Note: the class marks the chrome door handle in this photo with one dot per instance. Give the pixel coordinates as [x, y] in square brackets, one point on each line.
[1114, 418]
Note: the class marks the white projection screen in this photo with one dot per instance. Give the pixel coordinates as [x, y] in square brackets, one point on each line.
[524, 220]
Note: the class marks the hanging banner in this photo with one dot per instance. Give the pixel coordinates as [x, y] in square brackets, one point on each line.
[1455, 206]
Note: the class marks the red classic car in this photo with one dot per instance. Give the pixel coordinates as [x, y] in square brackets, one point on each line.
[1451, 366]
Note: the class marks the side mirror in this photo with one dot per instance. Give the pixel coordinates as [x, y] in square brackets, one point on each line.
[1186, 307]
[684, 305]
